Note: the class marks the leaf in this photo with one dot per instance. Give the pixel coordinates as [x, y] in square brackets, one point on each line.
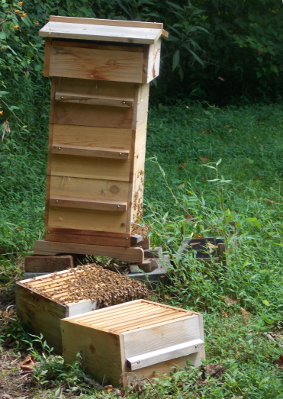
[176, 60]
[3, 35]
[265, 302]
[271, 201]
[203, 159]
[219, 162]
[279, 361]
[208, 244]
[182, 166]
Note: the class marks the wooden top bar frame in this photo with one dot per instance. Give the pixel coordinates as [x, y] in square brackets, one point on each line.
[103, 30]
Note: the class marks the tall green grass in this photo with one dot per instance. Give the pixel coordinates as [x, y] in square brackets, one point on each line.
[209, 171]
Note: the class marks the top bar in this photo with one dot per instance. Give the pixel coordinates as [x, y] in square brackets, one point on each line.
[103, 30]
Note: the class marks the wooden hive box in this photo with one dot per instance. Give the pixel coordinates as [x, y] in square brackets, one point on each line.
[134, 340]
[100, 72]
[42, 301]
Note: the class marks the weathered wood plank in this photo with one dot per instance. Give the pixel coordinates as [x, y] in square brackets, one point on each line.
[110, 33]
[104, 190]
[91, 168]
[47, 50]
[85, 219]
[89, 115]
[42, 247]
[90, 237]
[108, 22]
[94, 100]
[41, 315]
[81, 203]
[97, 152]
[83, 63]
[97, 137]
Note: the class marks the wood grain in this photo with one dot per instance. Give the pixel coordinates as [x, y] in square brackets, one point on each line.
[82, 203]
[91, 168]
[42, 315]
[97, 64]
[42, 247]
[87, 219]
[94, 100]
[71, 135]
[89, 115]
[88, 237]
[87, 188]
[97, 152]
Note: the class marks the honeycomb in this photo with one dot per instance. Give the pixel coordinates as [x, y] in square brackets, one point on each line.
[88, 282]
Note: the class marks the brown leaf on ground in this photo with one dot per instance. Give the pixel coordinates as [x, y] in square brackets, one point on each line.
[182, 166]
[203, 159]
[246, 315]
[266, 199]
[208, 244]
[27, 365]
[279, 361]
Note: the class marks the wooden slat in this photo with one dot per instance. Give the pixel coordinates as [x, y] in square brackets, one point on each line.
[79, 203]
[88, 167]
[96, 87]
[109, 33]
[101, 354]
[108, 22]
[152, 62]
[173, 332]
[92, 137]
[47, 50]
[42, 247]
[72, 187]
[97, 152]
[139, 48]
[84, 219]
[89, 237]
[83, 63]
[94, 100]
[41, 315]
[165, 354]
[89, 115]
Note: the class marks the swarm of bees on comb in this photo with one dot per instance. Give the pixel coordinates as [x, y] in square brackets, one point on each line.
[89, 282]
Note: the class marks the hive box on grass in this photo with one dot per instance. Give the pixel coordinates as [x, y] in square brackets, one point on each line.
[139, 339]
[42, 301]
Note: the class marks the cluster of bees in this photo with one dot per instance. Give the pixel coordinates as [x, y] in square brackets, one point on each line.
[89, 282]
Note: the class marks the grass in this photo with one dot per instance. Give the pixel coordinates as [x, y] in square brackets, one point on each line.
[209, 171]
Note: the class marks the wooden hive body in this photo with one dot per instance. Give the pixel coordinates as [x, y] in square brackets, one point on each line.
[135, 340]
[42, 301]
[100, 73]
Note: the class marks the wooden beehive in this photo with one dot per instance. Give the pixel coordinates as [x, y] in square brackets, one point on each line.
[42, 301]
[100, 72]
[134, 340]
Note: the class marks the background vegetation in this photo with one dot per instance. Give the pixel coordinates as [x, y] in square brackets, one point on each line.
[211, 170]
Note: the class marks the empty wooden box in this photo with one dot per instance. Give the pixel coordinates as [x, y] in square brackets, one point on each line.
[100, 72]
[42, 301]
[133, 340]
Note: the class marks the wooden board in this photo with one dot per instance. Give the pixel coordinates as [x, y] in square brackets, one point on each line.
[134, 255]
[82, 203]
[73, 187]
[98, 152]
[110, 33]
[72, 135]
[101, 353]
[97, 64]
[93, 100]
[41, 315]
[87, 219]
[88, 237]
[95, 87]
[90, 115]
[108, 22]
[91, 168]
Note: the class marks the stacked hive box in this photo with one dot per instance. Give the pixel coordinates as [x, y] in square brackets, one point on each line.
[134, 340]
[101, 71]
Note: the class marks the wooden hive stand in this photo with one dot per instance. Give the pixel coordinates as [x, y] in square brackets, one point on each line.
[101, 70]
